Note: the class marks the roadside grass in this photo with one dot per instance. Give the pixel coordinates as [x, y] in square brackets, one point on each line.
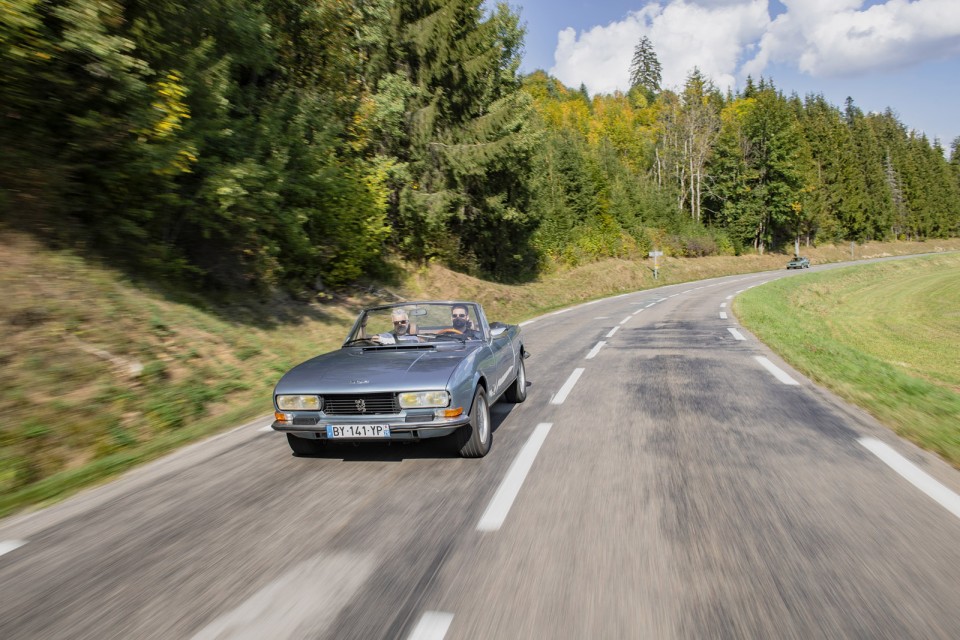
[884, 336]
[99, 374]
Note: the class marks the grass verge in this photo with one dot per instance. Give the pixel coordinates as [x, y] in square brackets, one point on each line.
[882, 336]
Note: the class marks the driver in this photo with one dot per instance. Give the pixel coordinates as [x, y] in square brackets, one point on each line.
[460, 319]
[402, 330]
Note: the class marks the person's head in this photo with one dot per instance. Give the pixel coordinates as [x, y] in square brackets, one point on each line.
[401, 323]
[461, 320]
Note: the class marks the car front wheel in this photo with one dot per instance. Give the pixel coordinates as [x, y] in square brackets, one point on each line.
[473, 440]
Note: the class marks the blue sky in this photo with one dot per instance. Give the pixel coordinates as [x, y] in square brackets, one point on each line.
[883, 53]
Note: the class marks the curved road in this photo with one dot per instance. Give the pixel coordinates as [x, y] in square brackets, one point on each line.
[667, 477]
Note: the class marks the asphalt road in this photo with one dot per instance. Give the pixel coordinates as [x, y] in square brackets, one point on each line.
[663, 484]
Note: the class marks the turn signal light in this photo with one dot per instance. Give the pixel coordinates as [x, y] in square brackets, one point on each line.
[283, 417]
[450, 413]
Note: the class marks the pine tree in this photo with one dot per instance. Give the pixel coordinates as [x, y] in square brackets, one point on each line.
[645, 68]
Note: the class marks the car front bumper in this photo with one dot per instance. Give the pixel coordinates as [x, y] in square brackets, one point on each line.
[400, 428]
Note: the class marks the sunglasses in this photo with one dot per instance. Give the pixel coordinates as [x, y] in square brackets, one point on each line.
[459, 315]
[399, 322]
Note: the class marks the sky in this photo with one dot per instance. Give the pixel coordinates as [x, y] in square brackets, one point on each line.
[883, 53]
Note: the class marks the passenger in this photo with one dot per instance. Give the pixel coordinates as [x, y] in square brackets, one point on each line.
[461, 321]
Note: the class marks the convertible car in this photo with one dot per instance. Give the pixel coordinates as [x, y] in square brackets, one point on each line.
[406, 372]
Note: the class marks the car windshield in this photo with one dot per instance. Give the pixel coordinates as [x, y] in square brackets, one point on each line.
[413, 323]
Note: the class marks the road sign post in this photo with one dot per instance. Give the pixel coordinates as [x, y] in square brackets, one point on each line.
[656, 263]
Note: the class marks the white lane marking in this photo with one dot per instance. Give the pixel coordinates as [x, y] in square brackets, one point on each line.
[601, 317]
[492, 519]
[674, 295]
[10, 545]
[723, 315]
[741, 291]
[556, 313]
[595, 350]
[728, 297]
[268, 427]
[723, 305]
[624, 321]
[287, 607]
[433, 625]
[777, 372]
[567, 387]
[650, 305]
[636, 312]
[736, 334]
[687, 291]
[612, 331]
[526, 322]
[947, 498]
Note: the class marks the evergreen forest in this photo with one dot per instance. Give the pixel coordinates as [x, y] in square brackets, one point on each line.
[296, 144]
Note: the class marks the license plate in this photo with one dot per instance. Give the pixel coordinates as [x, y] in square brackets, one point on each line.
[358, 431]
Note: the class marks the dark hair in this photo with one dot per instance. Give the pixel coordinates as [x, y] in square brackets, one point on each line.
[460, 306]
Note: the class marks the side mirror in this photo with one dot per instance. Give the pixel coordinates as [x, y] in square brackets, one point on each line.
[496, 332]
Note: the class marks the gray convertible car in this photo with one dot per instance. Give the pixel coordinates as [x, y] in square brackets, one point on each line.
[406, 372]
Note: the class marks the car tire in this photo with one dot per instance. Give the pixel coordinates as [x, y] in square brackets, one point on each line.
[517, 392]
[304, 448]
[473, 440]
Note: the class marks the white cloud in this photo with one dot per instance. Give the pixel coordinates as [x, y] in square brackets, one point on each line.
[728, 39]
[832, 37]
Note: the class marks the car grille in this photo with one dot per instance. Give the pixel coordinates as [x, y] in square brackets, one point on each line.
[361, 404]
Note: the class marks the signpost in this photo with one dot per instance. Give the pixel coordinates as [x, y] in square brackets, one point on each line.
[656, 263]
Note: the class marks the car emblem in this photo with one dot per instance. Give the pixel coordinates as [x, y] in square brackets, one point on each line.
[359, 382]
[361, 405]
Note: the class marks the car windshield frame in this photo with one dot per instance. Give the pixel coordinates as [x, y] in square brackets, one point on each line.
[431, 320]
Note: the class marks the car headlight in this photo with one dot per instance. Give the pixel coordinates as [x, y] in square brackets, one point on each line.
[424, 399]
[302, 403]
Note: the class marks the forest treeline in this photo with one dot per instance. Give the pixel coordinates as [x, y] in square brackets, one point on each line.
[296, 143]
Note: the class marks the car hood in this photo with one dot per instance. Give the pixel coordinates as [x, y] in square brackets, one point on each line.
[358, 370]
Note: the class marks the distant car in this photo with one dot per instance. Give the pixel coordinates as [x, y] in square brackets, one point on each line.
[799, 263]
[406, 372]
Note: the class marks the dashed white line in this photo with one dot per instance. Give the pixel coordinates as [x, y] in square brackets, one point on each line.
[777, 372]
[736, 334]
[567, 387]
[624, 321]
[741, 291]
[637, 311]
[493, 518]
[613, 331]
[650, 305]
[433, 625]
[286, 606]
[674, 295]
[723, 315]
[729, 296]
[10, 545]
[947, 498]
[595, 350]
[601, 317]
[723, 305]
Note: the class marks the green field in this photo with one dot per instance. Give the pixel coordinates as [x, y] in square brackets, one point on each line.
[885, 336]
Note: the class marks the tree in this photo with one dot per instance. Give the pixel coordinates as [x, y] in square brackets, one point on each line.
[645, 68]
